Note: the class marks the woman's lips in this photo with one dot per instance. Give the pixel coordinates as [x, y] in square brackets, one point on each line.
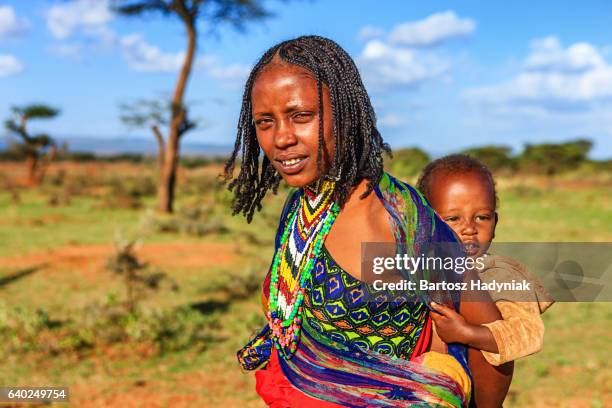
[292, 166]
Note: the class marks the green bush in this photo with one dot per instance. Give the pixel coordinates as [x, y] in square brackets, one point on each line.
[20, 327]
[172, 330]
[194, 220]
[553, 158]
[408, 162]
[101, 325]
[496, 158]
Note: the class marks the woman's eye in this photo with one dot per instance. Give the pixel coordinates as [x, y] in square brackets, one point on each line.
[301, 117]
[263, 121]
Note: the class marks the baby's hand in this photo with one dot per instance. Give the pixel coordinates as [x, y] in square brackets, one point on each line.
[450, 325]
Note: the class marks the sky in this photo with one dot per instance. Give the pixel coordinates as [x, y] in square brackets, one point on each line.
[442, 75]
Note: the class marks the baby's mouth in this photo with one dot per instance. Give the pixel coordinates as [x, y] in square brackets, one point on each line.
[471, 248]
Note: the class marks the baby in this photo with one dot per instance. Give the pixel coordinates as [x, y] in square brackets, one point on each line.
[462, 191]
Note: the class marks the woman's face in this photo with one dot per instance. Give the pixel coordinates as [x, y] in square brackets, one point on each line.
[286, 113]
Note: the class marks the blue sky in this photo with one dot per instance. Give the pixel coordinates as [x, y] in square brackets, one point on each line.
[442, 75]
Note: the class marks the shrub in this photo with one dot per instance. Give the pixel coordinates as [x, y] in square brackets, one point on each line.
[551, 159]
[138, 277]
[496, 158]
[20, 327]
[408, 162]
[194, 220]
[101, 325]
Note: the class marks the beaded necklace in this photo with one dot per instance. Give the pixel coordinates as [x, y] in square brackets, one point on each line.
[299, 249]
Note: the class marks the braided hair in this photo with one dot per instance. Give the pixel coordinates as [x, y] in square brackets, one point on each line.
[358, 144]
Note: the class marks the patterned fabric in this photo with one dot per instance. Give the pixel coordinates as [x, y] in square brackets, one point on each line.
[349, 376]
[351, 311]
[338, 358]
[257, 351]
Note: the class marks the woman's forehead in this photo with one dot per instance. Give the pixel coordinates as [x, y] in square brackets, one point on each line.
[276, 69]
[284, 82]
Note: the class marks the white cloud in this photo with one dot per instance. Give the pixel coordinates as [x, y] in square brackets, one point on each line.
[369, 32]
[384, 65]
[10, 24]
[145, 57]
[91, 18]
[142, 56]
[88, 16]
[233, 72]
[553, 79]
[547, 54]
[432, 30]
[9, 65]
[391, 120]
[404, 57]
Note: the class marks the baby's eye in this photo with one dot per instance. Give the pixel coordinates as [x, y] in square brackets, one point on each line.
[452, 218]
[483, 217]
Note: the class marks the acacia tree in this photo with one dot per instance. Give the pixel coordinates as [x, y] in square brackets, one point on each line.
[32, 146]
[154, 114]
[494, 157]
[214, 12]
[553, 158]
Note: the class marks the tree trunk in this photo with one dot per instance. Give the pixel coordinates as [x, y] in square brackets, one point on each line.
[167, 181]
[32, 166]
[161, 147]
[46, 162]
[167, 177]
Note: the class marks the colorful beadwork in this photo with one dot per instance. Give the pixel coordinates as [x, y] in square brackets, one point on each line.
[299, 249]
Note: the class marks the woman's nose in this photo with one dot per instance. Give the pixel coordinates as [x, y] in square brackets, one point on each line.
[284, 136]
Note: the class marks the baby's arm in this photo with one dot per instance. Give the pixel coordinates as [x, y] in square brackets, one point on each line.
[453, 328]
[519, 334]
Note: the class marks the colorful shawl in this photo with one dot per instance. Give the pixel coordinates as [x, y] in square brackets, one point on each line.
[329, 368]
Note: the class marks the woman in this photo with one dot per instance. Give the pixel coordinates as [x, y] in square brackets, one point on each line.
[331, 340]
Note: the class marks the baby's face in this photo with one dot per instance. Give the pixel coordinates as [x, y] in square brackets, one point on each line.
[467, 203]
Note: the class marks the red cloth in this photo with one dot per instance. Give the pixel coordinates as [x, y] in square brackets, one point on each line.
[277, 392]
[424, 339]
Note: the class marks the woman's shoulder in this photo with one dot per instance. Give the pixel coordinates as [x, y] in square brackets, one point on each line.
[408, 205]
[393, 185]
[404, 198]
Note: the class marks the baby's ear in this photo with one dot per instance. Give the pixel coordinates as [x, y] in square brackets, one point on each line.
[495, 224]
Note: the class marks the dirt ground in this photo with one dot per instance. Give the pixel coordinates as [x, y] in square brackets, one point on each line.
[92, 258]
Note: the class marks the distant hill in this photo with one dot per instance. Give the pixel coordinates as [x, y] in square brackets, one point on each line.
[117, 145]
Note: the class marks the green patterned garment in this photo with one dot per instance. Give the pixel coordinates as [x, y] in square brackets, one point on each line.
[349, 310]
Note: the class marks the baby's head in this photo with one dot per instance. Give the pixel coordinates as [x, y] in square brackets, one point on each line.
[462, 191]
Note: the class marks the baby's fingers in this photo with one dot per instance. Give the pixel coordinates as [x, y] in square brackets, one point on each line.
[443, 310]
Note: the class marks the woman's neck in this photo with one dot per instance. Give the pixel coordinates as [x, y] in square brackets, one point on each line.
[354, 199]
